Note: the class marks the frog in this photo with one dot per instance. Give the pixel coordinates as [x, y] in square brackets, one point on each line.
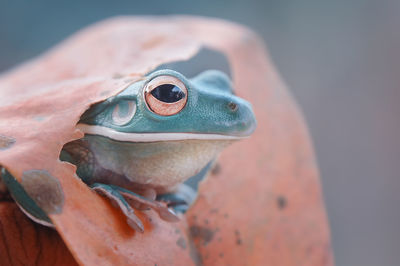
[143, 147]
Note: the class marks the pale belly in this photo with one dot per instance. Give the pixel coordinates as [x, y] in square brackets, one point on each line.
[158, 165]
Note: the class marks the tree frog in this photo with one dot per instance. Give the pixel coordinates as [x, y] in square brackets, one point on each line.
[142, 145]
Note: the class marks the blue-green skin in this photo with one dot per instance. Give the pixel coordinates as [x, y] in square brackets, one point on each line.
[211, 108]
[207, 109]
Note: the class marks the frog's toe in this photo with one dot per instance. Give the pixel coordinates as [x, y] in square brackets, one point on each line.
[163, 211]
[118, 200]
[181, 199]
[149, 194]
[134, 222]
[120, 196]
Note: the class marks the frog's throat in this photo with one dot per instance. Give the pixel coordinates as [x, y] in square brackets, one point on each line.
[150, 137]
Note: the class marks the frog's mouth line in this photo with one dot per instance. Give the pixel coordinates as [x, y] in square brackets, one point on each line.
[150, 137]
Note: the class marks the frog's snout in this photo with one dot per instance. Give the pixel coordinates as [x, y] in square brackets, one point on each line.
[243, 122]
[221, 111]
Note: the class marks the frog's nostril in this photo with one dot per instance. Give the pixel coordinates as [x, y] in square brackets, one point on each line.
[233, 106]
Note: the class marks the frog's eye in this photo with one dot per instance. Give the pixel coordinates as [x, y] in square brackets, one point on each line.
[165, 95]
[123, 112]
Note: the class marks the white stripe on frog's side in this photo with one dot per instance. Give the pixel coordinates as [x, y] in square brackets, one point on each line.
[149, 137]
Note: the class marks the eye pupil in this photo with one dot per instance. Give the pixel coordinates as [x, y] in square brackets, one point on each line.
[168, 93]
[165, 95]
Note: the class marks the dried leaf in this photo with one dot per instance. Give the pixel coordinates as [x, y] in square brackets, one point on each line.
[265, 203]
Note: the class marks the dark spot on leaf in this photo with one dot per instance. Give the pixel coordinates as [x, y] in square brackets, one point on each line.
[104, 93]
[202, 233]
[221, 255]
[6, 142]
[238, 238]
[117, 76]
[215, 210]
[181, 242]
[44, 189]
[194, 254]
[226, 215]
[281, 202]
[216, 169]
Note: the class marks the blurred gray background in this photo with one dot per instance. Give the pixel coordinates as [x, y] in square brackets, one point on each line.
[341, 60]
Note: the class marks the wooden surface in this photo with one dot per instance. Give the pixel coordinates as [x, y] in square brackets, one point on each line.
[263, 206]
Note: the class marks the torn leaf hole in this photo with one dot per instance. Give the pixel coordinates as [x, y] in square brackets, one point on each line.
[204, 60]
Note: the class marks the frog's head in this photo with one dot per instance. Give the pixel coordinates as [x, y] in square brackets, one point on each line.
[167, 120]
[166, 106]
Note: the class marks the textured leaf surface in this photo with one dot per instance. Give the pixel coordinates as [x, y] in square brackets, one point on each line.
[25, 243]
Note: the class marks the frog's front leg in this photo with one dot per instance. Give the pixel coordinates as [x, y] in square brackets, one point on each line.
[101, 180]
[119, 196]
